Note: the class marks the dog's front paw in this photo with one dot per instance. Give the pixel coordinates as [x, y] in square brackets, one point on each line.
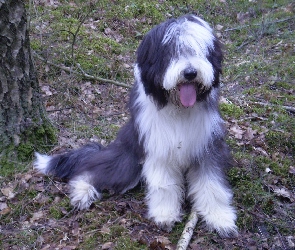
[164, 218]
[166, 226]
[223, 222]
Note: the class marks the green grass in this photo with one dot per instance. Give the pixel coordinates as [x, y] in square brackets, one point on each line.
[231, 110]
[127, 243]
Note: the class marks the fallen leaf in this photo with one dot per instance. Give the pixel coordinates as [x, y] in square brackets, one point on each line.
[292, 170]
[260, 150]
[3, 205]
[243, 17]
[5, 211]
[161, 242]
[8, 192]
[76, 228]
[40, 187]
[224, 100]
[163, 239]
[107, 31]
[105, 230]
[47, 68]
[41, 199]
[285, 193]
[249, 133]
[291, 241]
[282, 192]
[108, 245]
[36, 216]
[127, 66]
[236, 131]
[275, 155]
[218, 27]
[50, 3]
[46, 90]
[68, 247]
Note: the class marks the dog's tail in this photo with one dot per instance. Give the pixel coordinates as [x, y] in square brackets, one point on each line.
[94, 168]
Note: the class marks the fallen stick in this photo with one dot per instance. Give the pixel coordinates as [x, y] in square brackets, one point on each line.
[259, 24]
[85, 75]
[187, 232]
[288, 108]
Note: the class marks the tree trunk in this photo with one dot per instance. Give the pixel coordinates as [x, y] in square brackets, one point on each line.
[23, 124]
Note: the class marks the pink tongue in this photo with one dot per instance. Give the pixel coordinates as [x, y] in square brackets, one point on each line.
[188, 95]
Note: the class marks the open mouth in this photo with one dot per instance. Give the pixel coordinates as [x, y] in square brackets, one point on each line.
[187, 94]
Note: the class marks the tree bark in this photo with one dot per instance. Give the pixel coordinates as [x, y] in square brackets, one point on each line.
[23, 124]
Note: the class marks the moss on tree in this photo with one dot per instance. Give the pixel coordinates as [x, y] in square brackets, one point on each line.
[24, 127]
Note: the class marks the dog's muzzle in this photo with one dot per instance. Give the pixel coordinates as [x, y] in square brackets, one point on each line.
[187, 90]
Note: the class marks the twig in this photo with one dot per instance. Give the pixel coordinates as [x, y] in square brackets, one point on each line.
[187, 231]
[77, 31]
[243, 44]
[56, 110]
[84, 75]
[258, 24]
[288, 108]
[281, 239]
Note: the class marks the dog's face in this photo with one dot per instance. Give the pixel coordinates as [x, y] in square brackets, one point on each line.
[179, 61]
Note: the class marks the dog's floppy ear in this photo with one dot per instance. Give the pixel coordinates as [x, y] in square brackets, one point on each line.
[153, 58]
[151, 46]
[215, 57]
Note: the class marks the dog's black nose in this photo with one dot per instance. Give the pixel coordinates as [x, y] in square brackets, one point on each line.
[190, 73]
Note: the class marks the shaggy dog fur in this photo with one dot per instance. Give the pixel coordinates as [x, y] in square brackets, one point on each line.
[174, 139]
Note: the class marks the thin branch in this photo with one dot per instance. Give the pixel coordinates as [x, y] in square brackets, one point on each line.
[77, 31]
[288, 108]
[259, 24]
[281, 239]
[187, 231]
[84, 75]
[56, 110]
[246, 42]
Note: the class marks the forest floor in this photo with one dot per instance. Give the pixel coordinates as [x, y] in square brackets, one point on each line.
[73, 40]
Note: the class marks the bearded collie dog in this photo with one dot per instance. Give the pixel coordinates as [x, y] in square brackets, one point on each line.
[175, 138]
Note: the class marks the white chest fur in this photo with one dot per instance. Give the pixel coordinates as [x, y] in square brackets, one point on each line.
[175, 134]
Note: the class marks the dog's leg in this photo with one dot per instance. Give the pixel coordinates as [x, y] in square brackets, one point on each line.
[92, 168]
[164, 193]
[211, 198]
